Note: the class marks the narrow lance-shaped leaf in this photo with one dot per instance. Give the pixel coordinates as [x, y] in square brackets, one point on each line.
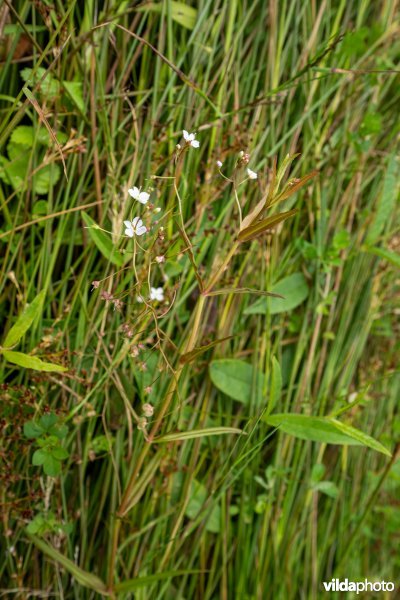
[31, 362]
[190, 356]
[324, 429]
[292, 187]
[83, 577]
[197, 433]
[265, 225]
[24, 321]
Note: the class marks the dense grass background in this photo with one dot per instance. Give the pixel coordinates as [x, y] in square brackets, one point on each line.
[267, 78]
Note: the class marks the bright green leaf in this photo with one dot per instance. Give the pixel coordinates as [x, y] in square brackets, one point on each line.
[31, 362]
[237, 379]
[323, 429]
[25, 320]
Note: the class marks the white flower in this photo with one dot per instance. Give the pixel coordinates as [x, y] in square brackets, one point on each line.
[252, 174]
[219, 164]
[157, 294]
[189, 137]
[142, 197]
[135, 227]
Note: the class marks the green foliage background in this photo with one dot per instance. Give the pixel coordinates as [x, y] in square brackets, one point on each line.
[94, 98]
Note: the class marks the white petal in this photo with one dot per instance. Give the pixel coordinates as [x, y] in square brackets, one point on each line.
[143, 197]
[251, 174]
[127, 224]
[186, 135]
[195, 144]
[129, 232]
[137, 222]
[219, 163]
[134, 192]
[140, 230]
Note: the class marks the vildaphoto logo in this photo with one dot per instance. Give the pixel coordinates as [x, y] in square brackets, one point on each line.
[335, 585]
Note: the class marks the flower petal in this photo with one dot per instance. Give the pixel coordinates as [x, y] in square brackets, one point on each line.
[195, 143]
[127, 224]
[129, 232]
[143, 197]
[141, 230]
[185, 135]
[134, 192]
[137, 222]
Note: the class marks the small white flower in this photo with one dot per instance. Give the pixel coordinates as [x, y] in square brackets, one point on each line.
[219, 164]
[190, 139]
[135, 227]
[139, 299]
[142, 197]
[252, 174]
[157, 294]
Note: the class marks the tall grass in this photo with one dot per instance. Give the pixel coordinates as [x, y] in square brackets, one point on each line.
[222, 516]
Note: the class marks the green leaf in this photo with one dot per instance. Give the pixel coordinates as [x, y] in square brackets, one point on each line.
[197, 433]
[198, 497]
[47, 421]
[294, 290]
[51, 466]
[75, 90]
[59, 453]
[25, 320]
[139, 582]
[182, 13]
[103, 241]
[263, 226]
[386, 201]
[31, 362]
[39, 457]
[193, 354]
[25, 135]
[323, 429]
[237, 379]
[46, 178]
[329, 488]
[389, 255]
[276, 385]
[32, 430]
[83, 577]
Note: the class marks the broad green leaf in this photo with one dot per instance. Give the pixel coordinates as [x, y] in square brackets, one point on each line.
[198, 497]
[83, 577]
[31, 362]
[182, 13]
[39, 457]
[103, 241]
[294, 290]
[386, 201]
[46, 178]
[51, 466]
[139, 582]
[59, 453]
[263, 226]
[389, 255]
[323, 429]
[197, 433]
[32, 430]
[75, 90]
[25, 320]
[237, 379]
